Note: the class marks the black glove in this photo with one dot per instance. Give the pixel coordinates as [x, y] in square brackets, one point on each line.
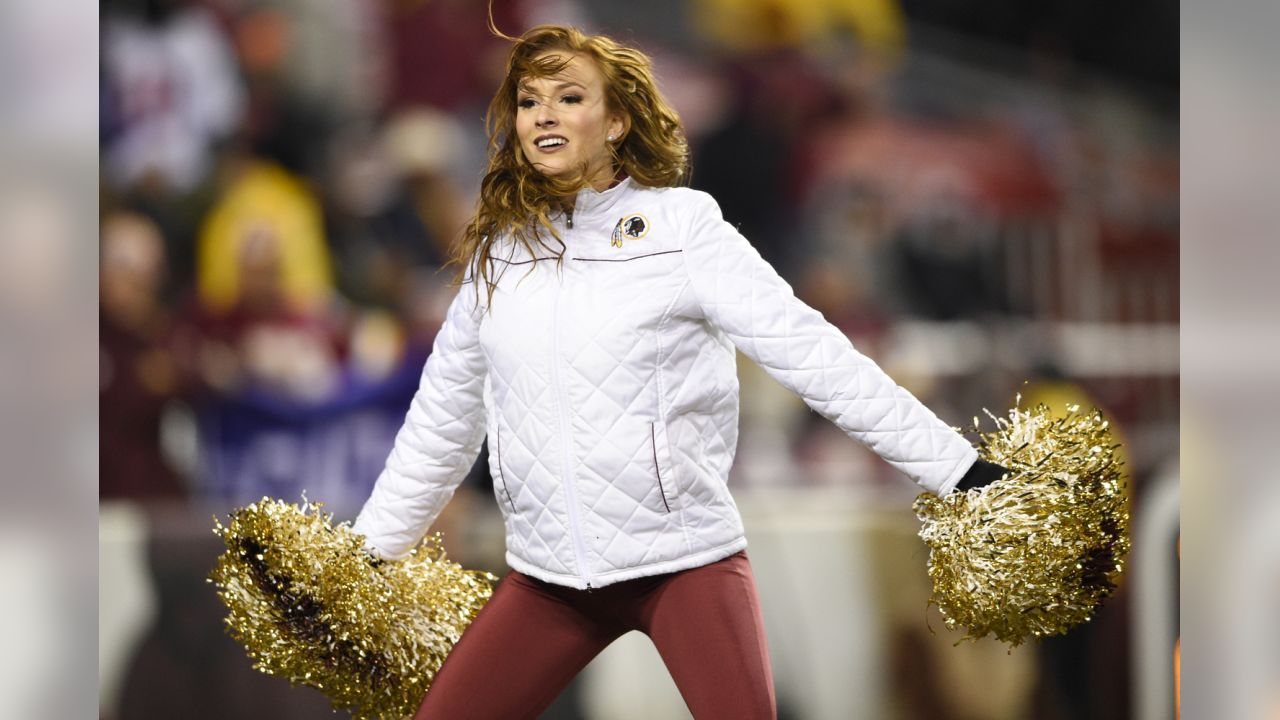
[982, 474]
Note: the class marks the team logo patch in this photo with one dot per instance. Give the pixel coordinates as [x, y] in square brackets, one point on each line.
[634, 227]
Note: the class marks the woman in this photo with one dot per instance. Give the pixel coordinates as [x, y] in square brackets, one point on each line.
[593, 342]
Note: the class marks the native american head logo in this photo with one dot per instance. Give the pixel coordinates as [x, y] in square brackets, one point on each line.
[633, 226]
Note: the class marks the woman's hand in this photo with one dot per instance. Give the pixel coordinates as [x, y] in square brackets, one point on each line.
[982, 474]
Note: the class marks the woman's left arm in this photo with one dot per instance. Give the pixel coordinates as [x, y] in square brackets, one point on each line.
[741, 294]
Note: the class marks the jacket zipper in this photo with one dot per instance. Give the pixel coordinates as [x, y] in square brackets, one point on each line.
[566, 475]
[653, 440]
[502, 476]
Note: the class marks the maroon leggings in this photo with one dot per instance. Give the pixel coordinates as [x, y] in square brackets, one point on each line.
[532, 638]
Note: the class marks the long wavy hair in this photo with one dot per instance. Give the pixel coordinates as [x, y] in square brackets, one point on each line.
[516, 199]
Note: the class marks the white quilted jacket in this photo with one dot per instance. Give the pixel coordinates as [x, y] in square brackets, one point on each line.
[608, 390]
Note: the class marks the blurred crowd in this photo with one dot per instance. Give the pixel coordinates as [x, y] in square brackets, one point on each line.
[281, 180]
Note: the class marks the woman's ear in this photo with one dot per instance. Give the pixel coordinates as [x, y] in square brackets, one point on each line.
[619, 126]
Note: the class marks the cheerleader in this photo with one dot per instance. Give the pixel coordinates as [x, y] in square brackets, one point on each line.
[593, 342]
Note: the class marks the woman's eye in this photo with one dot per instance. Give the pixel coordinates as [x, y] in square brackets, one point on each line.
[526, 103]
[572, 99]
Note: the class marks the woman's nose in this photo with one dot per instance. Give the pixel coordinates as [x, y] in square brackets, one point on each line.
[545, 118]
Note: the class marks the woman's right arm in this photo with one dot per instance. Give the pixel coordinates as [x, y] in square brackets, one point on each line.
[438, 442]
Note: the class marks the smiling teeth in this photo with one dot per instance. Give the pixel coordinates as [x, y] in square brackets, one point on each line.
[551, 141]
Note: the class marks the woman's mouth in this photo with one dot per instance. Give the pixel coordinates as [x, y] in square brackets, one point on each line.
[550, 143]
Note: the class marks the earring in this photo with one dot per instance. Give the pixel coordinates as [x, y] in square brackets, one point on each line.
[610, 138]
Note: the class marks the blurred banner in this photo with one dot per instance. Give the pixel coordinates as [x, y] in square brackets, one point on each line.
[259, 444]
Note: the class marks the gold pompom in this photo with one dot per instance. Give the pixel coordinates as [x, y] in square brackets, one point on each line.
[310, 606]
[1034, 553]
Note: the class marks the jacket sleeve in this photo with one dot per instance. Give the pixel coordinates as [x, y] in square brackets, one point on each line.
[743, 296]
[439, 441]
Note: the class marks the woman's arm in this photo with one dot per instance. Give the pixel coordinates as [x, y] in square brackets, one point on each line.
[438, 442]
[745, 297]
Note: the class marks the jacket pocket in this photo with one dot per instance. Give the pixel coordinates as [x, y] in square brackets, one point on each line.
[663, 467]
[501, 485]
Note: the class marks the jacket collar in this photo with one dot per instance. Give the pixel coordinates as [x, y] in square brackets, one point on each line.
[590, 202]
